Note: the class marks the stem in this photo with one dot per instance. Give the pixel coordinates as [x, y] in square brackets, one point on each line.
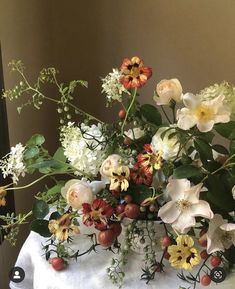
[21, 221]
[34, 182]
[128, 110]
[163, 110]
[199, 271]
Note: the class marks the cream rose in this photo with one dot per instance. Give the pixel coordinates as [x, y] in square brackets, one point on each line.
[168, 90]
[167, 147]
[77, 192]
[111, 163]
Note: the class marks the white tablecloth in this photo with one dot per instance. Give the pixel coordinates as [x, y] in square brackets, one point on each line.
[89, 272]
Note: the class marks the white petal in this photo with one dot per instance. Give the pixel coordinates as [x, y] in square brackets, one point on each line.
[205, 126]
[186, 119]
[228, 227]
[97, 186]
[162, 100]
[169, 212]
[190, 100]
[201, 209]
[222, 117]
[192, 195]
[184, 223]
[176, 188]
[214, 244]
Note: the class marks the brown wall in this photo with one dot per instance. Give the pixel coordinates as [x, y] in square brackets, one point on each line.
[193, 40]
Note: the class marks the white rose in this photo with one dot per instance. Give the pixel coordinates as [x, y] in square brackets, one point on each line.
[168, 148]
[111, 163]
[77, 192]
[168, 90]
[134, 133]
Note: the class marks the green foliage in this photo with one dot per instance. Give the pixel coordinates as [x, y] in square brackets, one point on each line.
[140, 192]
[40, 209]
[36, 140]
[41, 227]
[227, 130]
[151, 114]
[186, 171]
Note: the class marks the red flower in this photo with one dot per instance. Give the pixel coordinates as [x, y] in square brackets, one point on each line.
[149, 160]
[141, 176]
[97, 213]
[134, 73]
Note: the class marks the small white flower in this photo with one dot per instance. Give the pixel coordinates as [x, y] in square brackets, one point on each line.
[13, 164]
[84, 147]
[113, 87]
[204, 114]
[169, 147]
[134, 133]
[168, 90]
[220, 235]
[184, 206]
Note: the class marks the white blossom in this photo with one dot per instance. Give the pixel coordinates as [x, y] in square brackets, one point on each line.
[84, 147]
[13, 164]
[134, 133]
[112, 86]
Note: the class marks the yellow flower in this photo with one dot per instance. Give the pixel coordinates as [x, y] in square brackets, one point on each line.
[120, 178]
[63, 227]
[183, 255]
[3, 193]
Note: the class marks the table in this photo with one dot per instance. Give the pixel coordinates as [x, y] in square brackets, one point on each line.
[89, 272]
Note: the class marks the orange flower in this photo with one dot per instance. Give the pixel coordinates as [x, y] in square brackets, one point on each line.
[141, 176]
[134, 74]
[2, 196]
[148, 160]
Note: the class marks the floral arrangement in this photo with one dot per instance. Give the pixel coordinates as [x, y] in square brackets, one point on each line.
[127, 179]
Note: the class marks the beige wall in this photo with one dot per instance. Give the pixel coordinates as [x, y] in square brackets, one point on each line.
[193, 40]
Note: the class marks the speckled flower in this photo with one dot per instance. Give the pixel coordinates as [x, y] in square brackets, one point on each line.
[97, 213]
[63, 227]
[140, 176]
[120, 178]
[150, 160]
[134, 74]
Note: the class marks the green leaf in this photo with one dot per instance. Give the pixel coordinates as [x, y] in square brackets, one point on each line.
[36, 140]
[227, 130]
[204, 149]
[140, 193]
[59, 155]
[47, 164]
[31, 152]
[151, 114]
[230, 254]
[186, 171]
[41, 227]
[40, 209]
[55, 216]
[220, 149]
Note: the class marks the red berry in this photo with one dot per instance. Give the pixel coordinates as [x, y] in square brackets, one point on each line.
[132, 211]
[127, 141]
[215, 261]
[57, 263]
[106, 238]
[122, 114]
[203, 240]
[128, 199]
[205, 280]
[204, 254]
[116, 228]
[165, 241]
[120, 209]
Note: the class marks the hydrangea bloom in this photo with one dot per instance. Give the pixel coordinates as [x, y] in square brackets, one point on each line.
[225, 89]
[84, 147]
[112, 86]
[13, 164]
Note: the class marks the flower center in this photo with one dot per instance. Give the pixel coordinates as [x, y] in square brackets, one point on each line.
[95, 214]
[204, 112]
[183, 205]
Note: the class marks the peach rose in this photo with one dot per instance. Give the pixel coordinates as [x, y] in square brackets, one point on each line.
[77, 192]
[168, 90]
[111, 163]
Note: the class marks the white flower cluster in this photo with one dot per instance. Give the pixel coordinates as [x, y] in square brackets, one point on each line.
[12, 164]
[84, 147]
[225, 89]
[113, 87]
